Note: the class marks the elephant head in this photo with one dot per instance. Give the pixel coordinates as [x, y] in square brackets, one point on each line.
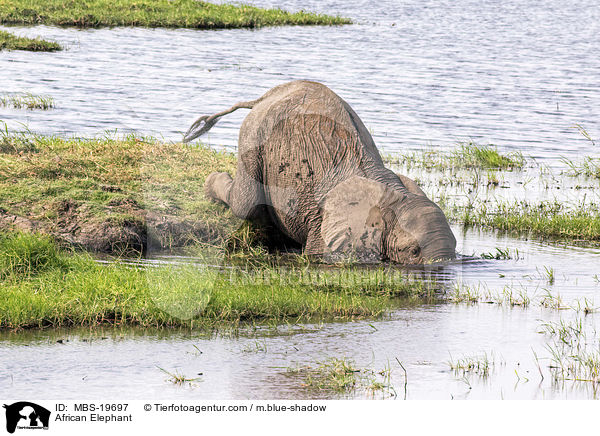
[375, 222]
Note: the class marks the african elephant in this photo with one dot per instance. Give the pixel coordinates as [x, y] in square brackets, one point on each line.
[309, 169]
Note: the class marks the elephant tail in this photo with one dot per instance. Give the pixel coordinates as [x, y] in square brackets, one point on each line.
[206, 122]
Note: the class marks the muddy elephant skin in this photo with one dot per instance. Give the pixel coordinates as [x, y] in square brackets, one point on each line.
[308, 168]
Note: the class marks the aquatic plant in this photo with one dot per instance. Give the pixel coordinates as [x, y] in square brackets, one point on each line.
[500, 254]
[155, 13]
[547, 219]
[8, 41]
[588, 167]
[574, 356]
[467, 155]
[178, 378]
[27, 101]
[479, 364]
[341, 375]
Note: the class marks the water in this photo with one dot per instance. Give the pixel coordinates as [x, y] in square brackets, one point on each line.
[517, 74]
[125, 364]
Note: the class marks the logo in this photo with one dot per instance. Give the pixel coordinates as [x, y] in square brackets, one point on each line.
[26, 415]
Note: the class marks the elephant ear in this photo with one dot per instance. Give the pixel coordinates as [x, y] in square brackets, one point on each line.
[352, 222]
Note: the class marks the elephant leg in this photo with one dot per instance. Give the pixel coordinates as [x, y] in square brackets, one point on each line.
[244, 194]
[217, 187]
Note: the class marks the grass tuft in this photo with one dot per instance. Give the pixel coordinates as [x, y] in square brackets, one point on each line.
[8, 41]
[589, 167]
[27, 101]
[27, 254]
[341, 375]
[546, 219]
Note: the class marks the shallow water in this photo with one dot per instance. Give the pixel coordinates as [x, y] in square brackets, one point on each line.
[515, 74]
[125, 364]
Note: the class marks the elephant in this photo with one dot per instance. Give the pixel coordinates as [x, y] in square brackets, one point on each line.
[309, 171]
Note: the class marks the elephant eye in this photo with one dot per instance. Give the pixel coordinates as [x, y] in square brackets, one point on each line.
[415, 251]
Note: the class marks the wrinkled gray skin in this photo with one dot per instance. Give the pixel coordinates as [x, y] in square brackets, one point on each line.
[309, 170]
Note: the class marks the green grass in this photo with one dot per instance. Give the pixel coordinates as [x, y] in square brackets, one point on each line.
[8, 41]
[589, 167]
[467, 155]
[544, 219]
[153, 13]
[478, 364]
[42, 286]
[573, 351]
[96, 192]
[27, 101]
[341, 375]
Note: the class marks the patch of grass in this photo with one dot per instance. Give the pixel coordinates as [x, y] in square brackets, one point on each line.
[177, 378]
[573, 355]
[105, 193]
[499, 254]
[41, 286]
[544, 219]
[589, 167]
[478, 364]
[154, 13]
[509, 296]
[468, 155]
[27, 255]
[27, 101]
[341, 375]
[8, 41]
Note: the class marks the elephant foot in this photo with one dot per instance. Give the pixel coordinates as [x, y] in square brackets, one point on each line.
[217, 185]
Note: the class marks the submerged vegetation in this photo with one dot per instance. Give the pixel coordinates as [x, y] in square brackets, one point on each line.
[589, 167]
[477, 364]
[8, 41]
[573, 351]
[154, 13]
[27, 101]
[41, 286]
[341, 375]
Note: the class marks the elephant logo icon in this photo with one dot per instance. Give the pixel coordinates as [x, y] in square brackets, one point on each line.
[24, 414]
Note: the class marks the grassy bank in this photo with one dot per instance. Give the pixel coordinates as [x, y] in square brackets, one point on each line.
[153, 13]
[27, 101]
[8, 41]
[42, 286]
[112, 195]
